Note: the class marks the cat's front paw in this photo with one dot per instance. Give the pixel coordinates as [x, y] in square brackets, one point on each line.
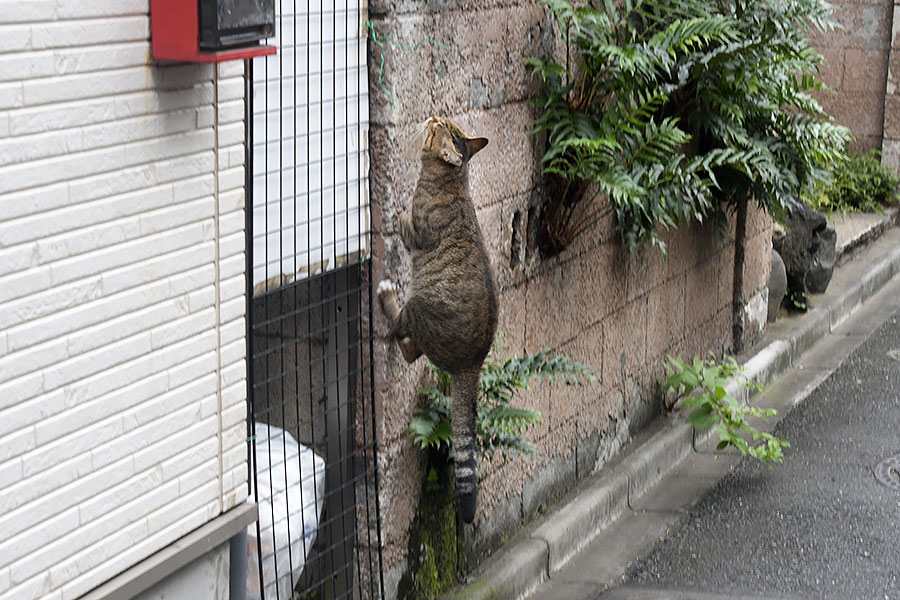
[386, 286]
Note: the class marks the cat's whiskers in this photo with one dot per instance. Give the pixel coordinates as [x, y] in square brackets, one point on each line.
[412, 143]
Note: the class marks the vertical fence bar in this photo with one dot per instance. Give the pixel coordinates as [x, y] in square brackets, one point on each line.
[321, 299]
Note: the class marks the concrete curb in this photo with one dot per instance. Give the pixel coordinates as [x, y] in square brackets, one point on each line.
[527, 562]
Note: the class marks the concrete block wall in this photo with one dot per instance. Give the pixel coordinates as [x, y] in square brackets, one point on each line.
[890, 148]
[857, 59]
[621, 313]
[122, 367]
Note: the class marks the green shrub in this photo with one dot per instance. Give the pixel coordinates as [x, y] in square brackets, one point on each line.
[860, 184]
[501, 426]
[715, 406]
[671, 107]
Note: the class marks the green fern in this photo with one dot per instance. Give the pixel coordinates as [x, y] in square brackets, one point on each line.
[671, 108]
[501, 426]
[860, 184]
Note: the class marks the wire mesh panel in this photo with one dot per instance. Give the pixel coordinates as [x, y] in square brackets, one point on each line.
[311, 423]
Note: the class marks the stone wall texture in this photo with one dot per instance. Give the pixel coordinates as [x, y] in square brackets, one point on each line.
[891, 144]
[621, 313]
[857, 60]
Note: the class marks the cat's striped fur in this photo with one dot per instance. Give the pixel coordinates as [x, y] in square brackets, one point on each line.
[451, 312]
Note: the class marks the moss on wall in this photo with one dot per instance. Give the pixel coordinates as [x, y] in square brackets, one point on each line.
[432, 551]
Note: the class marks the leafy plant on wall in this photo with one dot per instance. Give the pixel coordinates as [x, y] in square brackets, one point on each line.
[501, 425]
[671, 108]
[861, 184]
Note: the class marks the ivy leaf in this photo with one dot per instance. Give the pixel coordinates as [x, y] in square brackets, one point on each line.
[703, 417]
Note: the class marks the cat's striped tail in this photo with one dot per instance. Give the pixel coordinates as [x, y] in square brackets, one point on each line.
[464, 391]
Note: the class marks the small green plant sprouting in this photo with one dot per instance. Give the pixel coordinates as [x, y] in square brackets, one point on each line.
[798, 299]
[715, 406]
[859, 184]
[501, 426]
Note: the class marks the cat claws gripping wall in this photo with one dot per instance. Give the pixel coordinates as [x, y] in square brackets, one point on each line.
[450, 314]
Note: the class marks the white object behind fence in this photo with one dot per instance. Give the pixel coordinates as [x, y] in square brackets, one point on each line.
[291, 480]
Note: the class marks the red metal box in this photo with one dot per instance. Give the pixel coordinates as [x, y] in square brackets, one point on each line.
[210, 30]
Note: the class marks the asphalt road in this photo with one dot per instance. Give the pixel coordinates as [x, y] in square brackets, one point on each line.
[819, 526]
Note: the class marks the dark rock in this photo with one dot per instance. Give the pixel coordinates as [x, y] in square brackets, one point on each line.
[807, 249]
[777, 286]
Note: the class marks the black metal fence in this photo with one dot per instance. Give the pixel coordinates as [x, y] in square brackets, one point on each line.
[311, 426]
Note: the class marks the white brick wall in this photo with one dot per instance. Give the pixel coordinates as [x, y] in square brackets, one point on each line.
[122, 350]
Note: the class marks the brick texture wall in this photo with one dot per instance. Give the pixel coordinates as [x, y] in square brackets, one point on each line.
[122, 392]
[857, 65]
[619, 312]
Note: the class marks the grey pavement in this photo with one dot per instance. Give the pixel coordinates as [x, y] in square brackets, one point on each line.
[820, 525]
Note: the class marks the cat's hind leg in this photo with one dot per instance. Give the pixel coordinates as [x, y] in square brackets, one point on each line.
[387, 295]
[410, 349]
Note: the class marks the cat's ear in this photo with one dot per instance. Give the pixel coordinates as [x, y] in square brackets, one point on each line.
[475, 144]
[449, 153]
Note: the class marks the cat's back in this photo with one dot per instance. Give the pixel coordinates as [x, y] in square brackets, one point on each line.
[454, 287]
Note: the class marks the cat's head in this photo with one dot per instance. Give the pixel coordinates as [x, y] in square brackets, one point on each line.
[446, 142]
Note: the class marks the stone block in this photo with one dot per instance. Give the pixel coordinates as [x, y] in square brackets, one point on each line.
[862, 112]
[566, 404]
[864, 143]
[570, 297]
[489, 219]
[401, 476]
[665, 318]
[646, 269]
[895, 27]
[513, 319]
[587, 347]
[508, 166]
[702, 293]
[698, 338]
[757, 263]
[865, 70]
[548, 297]
[758, 220]
[394, 174]
[401, 88]
[832, 72]
[517, 251]
[398, 7]
[678, 249]
[725, 272]
[704, 242]
[597, 415]
[548, 485]
[893, 73]
[625, 343]
[485, 65]
[605, 285]
[892, 117]
[396, 391]
[890, 154]
[866, 25]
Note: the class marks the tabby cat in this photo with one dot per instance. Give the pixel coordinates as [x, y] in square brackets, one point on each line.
[451, 312]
